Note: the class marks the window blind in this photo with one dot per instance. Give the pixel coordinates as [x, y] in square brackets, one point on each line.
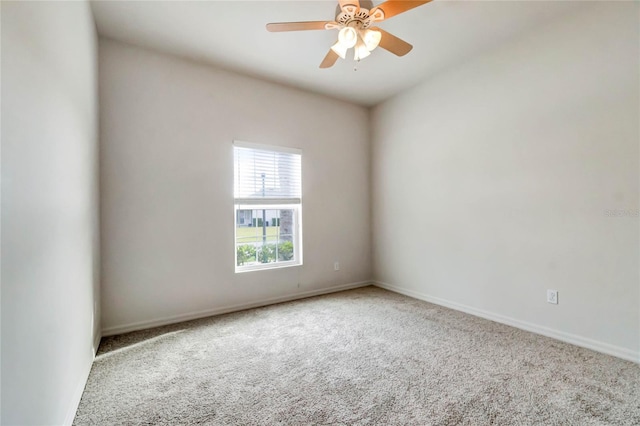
[266, 175]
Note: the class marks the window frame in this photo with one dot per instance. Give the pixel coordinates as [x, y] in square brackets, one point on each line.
[297, 237]
[258, 203]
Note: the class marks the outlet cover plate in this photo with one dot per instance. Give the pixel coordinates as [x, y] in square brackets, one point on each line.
[552, 296]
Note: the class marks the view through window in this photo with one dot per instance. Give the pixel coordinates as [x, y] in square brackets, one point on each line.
[267, 192]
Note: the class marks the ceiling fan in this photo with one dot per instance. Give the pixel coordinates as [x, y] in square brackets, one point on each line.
[356, 30]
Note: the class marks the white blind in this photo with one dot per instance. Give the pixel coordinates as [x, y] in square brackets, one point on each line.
[263, 175]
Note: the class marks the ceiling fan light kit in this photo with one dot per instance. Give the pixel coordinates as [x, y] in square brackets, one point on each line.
[355, 29]
[363, 41]
[371, 39]
[361, 51]
[348, 37]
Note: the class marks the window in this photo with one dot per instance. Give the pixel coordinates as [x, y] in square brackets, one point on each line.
[268, 206]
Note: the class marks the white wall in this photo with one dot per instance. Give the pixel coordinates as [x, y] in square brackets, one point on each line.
[167, 127]
[491, 182]
[50, 263]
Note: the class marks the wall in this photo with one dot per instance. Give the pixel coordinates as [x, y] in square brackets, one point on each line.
[512, 163]
[167, 127]
[50, 266]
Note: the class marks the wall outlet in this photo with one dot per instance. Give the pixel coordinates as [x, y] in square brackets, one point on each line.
[336, 266]
[552, 296]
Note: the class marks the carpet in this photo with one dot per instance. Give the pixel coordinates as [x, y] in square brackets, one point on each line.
[360, 357]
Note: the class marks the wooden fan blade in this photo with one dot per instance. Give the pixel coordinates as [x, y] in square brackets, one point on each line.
[393, 44]
[329, 60]
[297, 26]
[392, 8]
[344, 3]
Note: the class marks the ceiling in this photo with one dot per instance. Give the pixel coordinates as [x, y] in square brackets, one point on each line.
[232, 35]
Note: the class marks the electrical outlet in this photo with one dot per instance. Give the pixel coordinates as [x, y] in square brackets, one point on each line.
[552, 296]
[336, 266]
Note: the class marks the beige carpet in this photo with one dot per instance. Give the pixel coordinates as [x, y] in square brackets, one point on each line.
[366, 356]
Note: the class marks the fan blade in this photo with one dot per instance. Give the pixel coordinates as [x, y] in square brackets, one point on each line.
[344, 3]
[392, 8]
[329, 60]
[297, 26]
[393, 44]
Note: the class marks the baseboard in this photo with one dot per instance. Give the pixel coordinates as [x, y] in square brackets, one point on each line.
[96, 343]
[77, 394]
[142, 325]
[617, 351]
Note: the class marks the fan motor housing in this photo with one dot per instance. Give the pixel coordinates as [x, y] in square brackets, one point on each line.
[359, 18]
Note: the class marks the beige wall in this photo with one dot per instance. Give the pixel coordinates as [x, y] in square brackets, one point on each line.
[167, 127]
[492, 182]
[50, 258]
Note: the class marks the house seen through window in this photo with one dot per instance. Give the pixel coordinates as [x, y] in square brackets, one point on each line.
[268, 206]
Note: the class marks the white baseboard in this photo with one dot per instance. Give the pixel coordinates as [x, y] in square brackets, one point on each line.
[120, 329]
[96, 343]
[77, 393]
[584, 342]
[75, 401]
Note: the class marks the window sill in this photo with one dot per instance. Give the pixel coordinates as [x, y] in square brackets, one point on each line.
[266, 267]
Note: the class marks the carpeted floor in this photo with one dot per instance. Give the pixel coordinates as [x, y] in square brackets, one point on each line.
[365, 356]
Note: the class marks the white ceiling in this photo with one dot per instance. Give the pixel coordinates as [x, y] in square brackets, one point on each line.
[232, 35]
